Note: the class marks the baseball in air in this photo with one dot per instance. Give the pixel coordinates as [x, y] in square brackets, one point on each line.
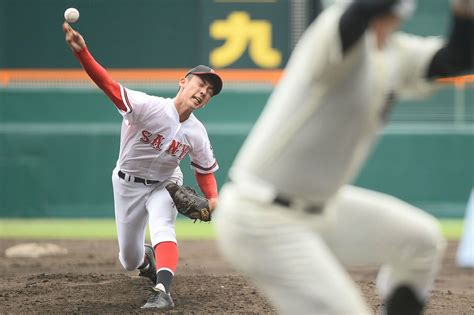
[71, 15]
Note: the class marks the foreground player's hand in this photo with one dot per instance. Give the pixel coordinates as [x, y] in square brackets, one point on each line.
[74, 39]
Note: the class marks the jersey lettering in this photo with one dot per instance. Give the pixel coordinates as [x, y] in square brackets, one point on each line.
[174, 146]
[145, 138]
[156, 144]
[185, 150]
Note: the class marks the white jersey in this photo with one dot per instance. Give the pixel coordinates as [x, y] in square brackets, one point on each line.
[153, 142]
[314, 134]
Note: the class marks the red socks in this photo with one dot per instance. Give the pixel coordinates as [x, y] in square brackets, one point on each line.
[166, 255]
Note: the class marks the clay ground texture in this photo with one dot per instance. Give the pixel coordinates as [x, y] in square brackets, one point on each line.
[90, 280]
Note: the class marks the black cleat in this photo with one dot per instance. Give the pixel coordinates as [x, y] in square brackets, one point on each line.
[150, 272]
[159, 300]
[403, 301]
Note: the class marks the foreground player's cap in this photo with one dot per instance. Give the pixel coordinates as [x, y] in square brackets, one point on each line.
[404, 9]
[216, 79]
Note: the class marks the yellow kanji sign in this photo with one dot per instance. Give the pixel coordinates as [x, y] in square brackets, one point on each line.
[240, 32]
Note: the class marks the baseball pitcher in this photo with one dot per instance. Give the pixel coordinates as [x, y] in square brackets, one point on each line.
[157, 134]
[288, 218]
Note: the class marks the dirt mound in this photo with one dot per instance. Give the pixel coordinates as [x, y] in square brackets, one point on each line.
[89, 280]
[34, 250]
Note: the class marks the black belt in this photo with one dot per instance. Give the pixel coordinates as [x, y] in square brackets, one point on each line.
[138, 179]
[288, 202]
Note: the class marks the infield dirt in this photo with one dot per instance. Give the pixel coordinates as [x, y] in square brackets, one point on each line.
[90, 280]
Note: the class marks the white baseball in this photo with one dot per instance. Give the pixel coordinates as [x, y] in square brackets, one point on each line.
[71, 15]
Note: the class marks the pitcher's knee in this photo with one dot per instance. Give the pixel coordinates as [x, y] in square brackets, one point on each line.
[131, 260]
[163, 234]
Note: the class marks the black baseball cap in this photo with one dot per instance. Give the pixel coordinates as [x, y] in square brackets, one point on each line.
[211, 73]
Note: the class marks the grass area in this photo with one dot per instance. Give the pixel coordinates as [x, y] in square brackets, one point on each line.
[452, 228]
[105, 229]
[87, 229]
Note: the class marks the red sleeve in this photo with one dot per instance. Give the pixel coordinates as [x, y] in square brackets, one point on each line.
[207, 183]
[103, 80]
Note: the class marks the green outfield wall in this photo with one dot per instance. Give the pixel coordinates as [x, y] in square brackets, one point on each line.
[147, 33]
[171, 33]
[58, 148]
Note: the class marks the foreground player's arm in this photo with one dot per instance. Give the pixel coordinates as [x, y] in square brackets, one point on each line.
[457, 55]
[208, 185]
[95, 71]
[356, 19]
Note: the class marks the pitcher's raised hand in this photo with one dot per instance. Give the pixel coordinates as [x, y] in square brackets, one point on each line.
[73, 38]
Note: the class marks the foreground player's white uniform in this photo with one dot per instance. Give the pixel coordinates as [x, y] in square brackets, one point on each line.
[288, 218]
[153, 142]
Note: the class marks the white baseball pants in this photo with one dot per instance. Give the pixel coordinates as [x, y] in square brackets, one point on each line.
[136, 205]
[298, 259]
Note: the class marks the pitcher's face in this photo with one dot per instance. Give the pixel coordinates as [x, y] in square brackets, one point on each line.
[196, 91]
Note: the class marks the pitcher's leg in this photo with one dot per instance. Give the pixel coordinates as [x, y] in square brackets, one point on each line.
[162, 218]
[374, 228]
[162, 212]
[286, 260]
[131, 219]
[163, 236]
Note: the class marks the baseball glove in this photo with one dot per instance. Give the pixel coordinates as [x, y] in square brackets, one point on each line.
[189, 203]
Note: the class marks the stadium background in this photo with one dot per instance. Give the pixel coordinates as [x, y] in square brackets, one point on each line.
[59, 135]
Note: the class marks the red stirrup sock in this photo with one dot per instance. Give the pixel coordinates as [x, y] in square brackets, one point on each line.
[166, 255]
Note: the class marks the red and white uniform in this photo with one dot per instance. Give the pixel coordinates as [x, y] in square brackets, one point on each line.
[153, 142]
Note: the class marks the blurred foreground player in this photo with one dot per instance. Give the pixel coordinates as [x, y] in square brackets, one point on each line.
[288, 218]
